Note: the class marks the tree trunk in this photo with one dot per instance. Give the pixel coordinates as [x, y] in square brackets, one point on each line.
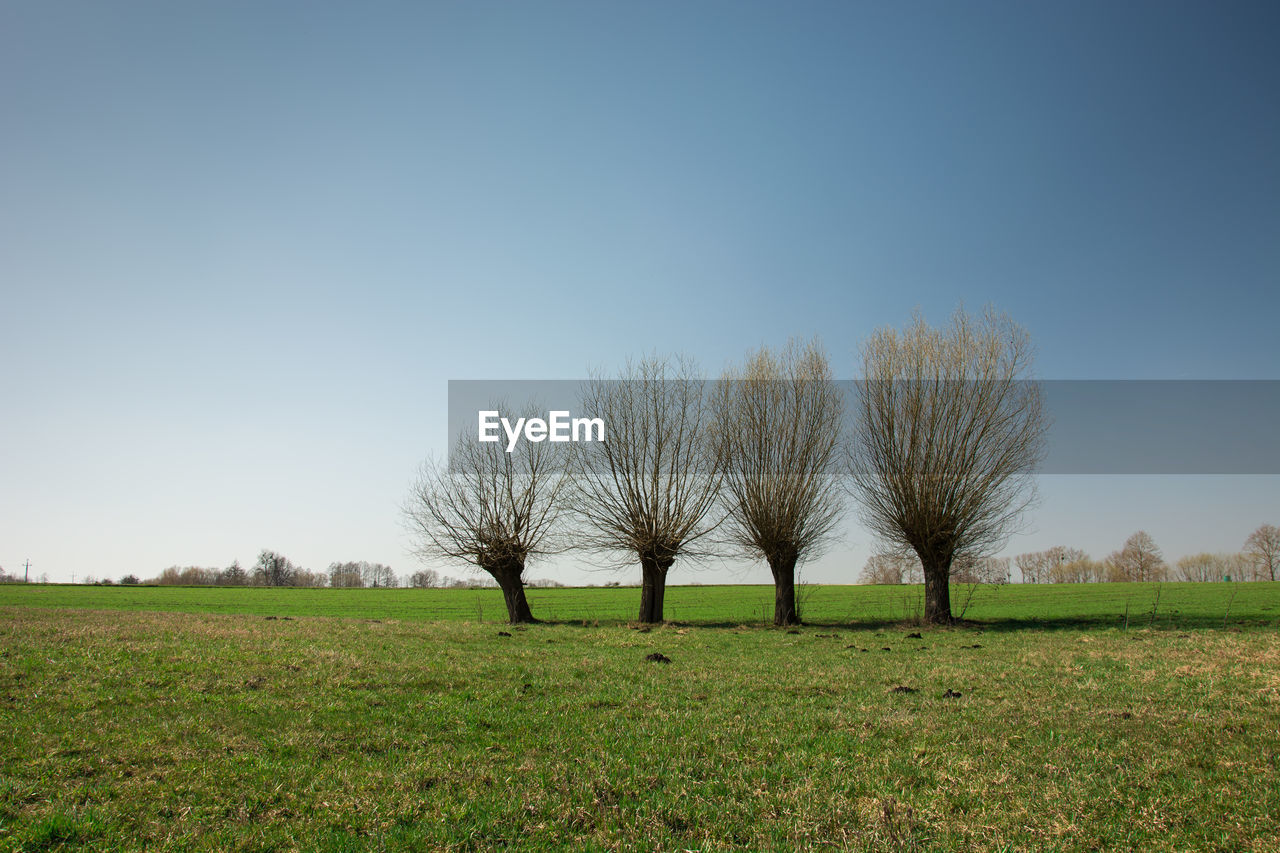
[653, 587]
[783, 566]
[510, 579]
[937, 590]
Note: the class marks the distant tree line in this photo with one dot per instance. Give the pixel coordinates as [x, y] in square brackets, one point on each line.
[1138, 560]
[275, 569]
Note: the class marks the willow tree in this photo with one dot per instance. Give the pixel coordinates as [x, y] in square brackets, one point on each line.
[649, 490]
[492, 508]
[778, 423]
[948, 433]
[1263, 550]
[1139, 560]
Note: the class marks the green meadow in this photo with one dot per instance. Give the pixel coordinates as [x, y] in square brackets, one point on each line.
[349, 720]
[1043, 605]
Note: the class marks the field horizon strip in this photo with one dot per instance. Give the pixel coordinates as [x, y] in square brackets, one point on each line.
[1155, 604]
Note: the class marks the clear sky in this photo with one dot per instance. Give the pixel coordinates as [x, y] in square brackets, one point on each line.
[244, 246]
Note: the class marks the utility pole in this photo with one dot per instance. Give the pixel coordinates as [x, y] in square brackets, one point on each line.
[73, 577]
[26, 574]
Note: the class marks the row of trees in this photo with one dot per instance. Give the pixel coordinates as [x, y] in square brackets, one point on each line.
[749, 467]
[945, 441]
[940, 460]
[1139, 559]
[275, 569]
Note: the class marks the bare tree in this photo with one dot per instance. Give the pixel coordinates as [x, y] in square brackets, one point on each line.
[948, 437]
[492, 508]
[377, 574]
[1263, 550]
[1139, 560]
[1202, 568]
[1058, 564]
[891, 567]
[649, 490]
[1071, 565]
[1032, 567]
[345, 575]
[187, 576]
[777, 428]
[306, 578]
[273, 569]
[233, 575]
[425, 579]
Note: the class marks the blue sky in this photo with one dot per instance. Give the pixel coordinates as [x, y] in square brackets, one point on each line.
[244, 246]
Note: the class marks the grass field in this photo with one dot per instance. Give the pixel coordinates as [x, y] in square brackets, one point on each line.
[1073, 605]
[189, 719]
